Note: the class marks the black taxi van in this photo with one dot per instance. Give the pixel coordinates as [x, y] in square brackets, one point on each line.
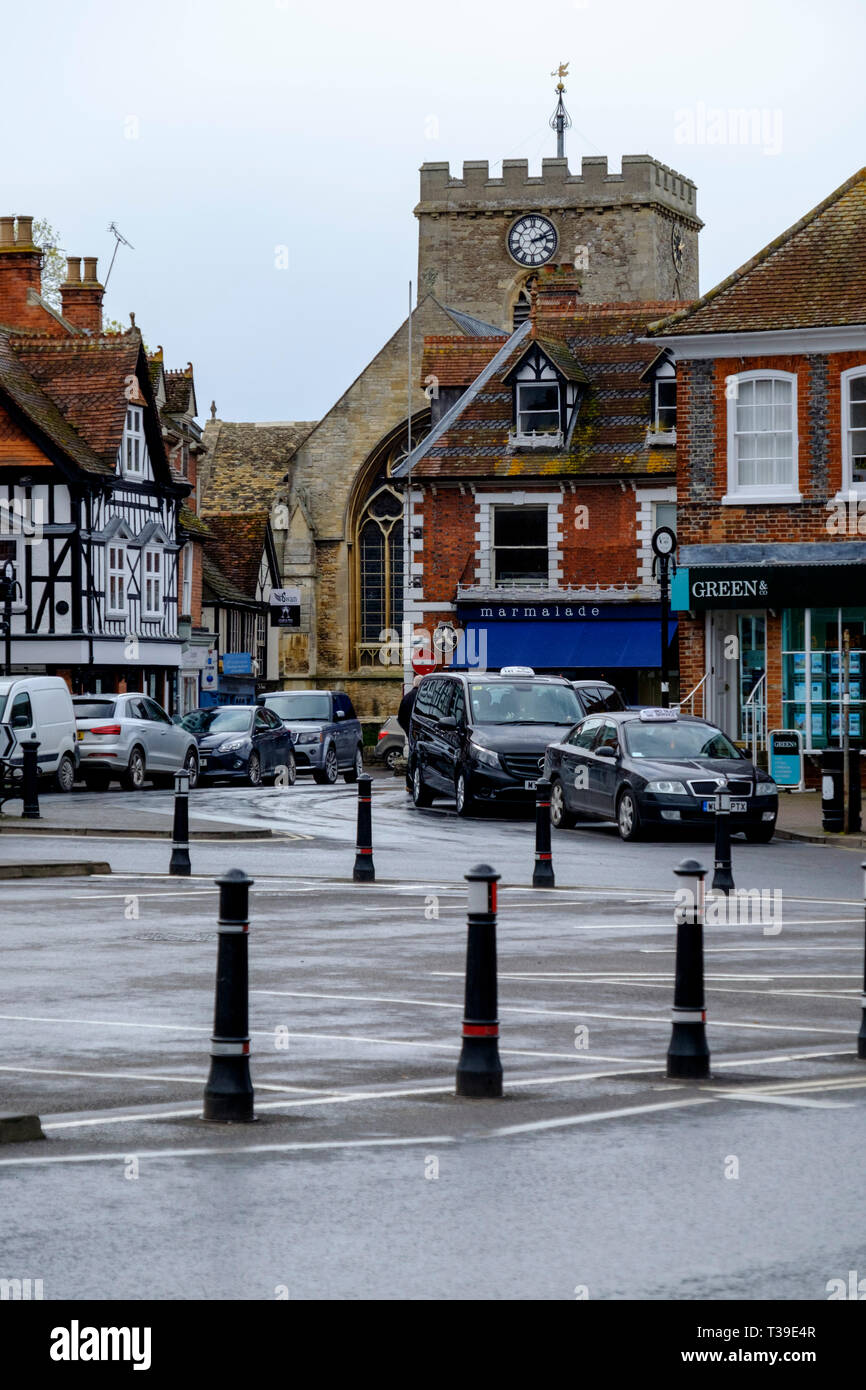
[481, 738]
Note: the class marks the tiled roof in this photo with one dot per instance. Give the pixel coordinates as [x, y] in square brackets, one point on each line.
[85, 379]
[246, 463]
[193, 524]
[812, 276]
[610, 437]
[215, 585]
[457, 361]
[39, 407]
[470, 325]
[236, 544]
[178, 390]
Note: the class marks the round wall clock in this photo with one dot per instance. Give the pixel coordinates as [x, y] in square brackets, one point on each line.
[532, 240]
[678, 246]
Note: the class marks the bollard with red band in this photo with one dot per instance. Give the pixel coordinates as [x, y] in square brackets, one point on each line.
[542, 874]
[180, 861]
[688, 1053]
[228, 1095]
[479, 1070]
[364, 870]
[861, 1036]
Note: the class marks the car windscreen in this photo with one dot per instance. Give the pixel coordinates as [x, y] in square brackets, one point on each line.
[677, 741]
[217, 721]
[93, 709]
[300, 704]
[523, 702]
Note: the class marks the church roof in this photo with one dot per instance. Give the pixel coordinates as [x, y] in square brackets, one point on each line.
[812, 276]
[246, 463]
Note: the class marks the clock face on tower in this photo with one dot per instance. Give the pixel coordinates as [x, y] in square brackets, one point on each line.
[532, 240]
[678, 247]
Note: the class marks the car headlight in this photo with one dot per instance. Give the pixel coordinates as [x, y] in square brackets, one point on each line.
[309, 738]
[229, 747]
[667, 788]
[485, 756]
[766, 789]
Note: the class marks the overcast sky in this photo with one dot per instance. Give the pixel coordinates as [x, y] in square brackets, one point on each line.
[215, 133]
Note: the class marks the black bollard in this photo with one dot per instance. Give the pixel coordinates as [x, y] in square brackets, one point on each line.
[30, 779]
[180, 863]
[861, 1036]
[364, 870]
[228, 1095]
[479, 1070]
[688, 1053]
[723, 878]
[542, 874]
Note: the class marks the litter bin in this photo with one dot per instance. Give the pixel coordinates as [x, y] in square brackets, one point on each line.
[833, 789]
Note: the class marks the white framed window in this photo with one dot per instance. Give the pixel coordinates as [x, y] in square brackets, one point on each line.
[520, 546]
[854, 429]
[664, 514]
[538, 407]
[151, 561]
[133, 442]
[665, 398]
[762, 438]
[186, 562]
[115, 580]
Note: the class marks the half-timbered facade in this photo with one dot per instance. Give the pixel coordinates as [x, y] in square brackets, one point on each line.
[88, 502]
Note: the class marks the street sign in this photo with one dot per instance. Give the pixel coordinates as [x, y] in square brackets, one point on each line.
[422, 665]
[786, 757]
[285, 608]
[237, 664]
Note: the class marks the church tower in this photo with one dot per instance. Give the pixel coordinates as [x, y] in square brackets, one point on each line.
[634, 234]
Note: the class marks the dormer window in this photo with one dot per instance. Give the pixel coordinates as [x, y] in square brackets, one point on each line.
[133, 442]
[665, 402]
[538, 407]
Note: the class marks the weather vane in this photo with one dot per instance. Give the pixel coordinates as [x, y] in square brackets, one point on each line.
[560, 121]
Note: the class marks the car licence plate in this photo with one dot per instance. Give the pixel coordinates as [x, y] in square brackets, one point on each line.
[530, 786]
[738, 808]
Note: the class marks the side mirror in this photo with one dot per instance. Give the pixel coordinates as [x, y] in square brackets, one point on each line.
[606, 752]
[341, 714]
[20, 721]
[448, 722]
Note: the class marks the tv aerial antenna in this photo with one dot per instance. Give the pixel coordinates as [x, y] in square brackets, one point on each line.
[119, 239]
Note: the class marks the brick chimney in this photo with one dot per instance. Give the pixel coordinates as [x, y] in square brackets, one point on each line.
[20, 271]
[81, 295]
[555, 295]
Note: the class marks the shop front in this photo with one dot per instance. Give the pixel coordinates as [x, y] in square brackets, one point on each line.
[764, 630]
[580, 639]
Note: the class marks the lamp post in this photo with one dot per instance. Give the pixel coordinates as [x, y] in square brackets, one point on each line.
[664, 543]
[8, 588]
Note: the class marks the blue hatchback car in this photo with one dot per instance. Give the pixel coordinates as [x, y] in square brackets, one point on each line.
[244, 743]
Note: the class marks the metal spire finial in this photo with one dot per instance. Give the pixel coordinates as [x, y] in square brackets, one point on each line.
[560, 121]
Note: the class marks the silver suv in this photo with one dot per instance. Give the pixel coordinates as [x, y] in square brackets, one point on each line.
[326, 732]
[129, 738]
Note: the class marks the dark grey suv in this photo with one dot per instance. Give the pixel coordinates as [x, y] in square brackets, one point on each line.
[326, 732]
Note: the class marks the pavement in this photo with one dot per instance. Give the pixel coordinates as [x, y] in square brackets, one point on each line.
[363, 1175]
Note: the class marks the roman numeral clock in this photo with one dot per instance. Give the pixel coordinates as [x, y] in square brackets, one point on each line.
[532, 240]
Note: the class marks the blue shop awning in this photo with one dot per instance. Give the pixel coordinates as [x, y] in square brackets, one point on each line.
[598, 643]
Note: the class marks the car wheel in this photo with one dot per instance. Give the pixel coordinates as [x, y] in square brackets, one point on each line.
[354, 772]
[191, 766]
[421, 793]
[327, 775]
[560, 816]
[465, 802]
[254, 770]
[96, 781]
[132, 779]
[628, 816]
[287, 772]
[761, 834]
[64, 777]
[391, 758]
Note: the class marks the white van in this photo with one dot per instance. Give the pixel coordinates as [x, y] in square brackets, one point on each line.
[40, 707]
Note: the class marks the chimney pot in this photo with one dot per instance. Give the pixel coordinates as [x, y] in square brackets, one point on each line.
[73, 270]
[25, 231]
[7, 231]
[90, 269]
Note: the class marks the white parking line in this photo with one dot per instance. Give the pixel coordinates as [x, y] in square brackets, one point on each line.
[309, 1146]
[564, 1122]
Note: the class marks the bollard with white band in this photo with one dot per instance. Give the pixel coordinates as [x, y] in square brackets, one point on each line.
[479, 1070]
[542, 874]
[228, 1095]
[688, 1053]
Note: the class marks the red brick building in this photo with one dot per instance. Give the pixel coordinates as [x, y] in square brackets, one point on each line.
[771, 481]
[549, 463]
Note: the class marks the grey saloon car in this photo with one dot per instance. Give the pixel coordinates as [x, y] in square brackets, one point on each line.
[128, 738]
[326, 732]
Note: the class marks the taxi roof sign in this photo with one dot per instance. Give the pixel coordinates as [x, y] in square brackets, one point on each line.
[658, 716]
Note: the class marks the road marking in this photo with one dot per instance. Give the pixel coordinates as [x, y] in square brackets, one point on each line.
[536, 1125]
[151, 1076]
[796, 1101]
[309, 1146]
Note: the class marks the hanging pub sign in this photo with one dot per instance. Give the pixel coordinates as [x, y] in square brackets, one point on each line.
[285, 608]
